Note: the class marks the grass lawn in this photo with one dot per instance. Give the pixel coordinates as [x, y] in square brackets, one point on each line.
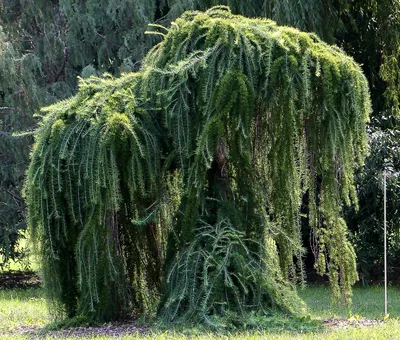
[24, 309]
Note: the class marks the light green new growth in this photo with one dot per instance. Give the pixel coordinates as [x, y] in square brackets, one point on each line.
[185, 181]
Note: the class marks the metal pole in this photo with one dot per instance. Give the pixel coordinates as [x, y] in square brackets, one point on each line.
[384, 240]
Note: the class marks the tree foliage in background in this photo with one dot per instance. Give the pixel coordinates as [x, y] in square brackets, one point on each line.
[198, 164]
[371, 35]
[367, 223]
[45, 45]
[17, 92]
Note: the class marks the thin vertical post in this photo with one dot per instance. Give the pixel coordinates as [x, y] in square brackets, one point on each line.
[384, 238]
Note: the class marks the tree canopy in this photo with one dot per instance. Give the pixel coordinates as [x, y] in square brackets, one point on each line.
[182, 183]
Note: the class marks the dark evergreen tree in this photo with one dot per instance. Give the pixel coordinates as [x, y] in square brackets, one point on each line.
[366, 223]
[30, 59]
[17, 93]
[370, 34]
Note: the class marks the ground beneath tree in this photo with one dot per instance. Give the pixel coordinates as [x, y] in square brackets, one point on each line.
[340, 323]
[119, 329]
[110, 330]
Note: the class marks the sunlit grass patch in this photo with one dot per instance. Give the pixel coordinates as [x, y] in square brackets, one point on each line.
[21, 308]
[367, 302]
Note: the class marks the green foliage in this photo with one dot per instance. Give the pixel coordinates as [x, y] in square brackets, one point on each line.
[368, 30]
[23, 88]
[366, 224]
[294, 121]
[215, 275]
[199, 163]
[306, 15]
[91, 182]
[49, 43]
[110, 33]
[16, 93]
[371, 36]
[45, 45]
[370, 33]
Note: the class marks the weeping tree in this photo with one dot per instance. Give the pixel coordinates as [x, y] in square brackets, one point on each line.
[180, 186]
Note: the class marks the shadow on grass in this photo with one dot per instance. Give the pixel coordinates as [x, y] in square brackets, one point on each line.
[19, 279]
[275, 323]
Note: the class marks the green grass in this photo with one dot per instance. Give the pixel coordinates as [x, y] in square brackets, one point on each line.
[21, 309]
[367, 302]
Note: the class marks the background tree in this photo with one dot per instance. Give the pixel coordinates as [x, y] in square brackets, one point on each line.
[28, 58]
[366, 224]
[17, 93]
[46, 44]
